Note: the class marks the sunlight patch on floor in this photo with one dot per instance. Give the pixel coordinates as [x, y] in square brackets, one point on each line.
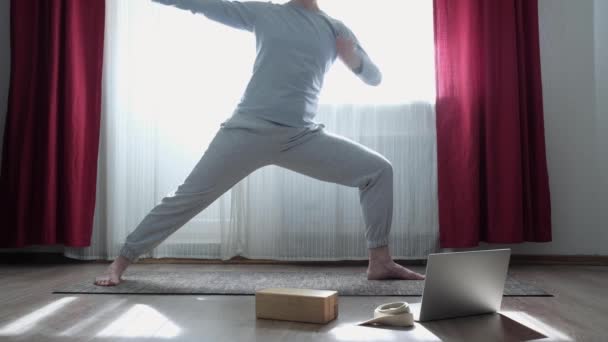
[141, 321]
[353, 332]
[26, 322]
[81, 325]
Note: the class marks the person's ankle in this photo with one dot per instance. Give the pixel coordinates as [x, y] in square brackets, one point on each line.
[120, 263]
[123, 260]
[379, 255]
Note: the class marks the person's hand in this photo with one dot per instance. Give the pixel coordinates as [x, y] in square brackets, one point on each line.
[347, 53]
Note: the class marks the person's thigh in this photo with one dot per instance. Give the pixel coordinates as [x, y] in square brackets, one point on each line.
[332, 158]
[232, 155]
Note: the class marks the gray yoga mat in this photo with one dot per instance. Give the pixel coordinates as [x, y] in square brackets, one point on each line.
[247, 282]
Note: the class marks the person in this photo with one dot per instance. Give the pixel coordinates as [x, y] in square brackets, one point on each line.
[273, 124]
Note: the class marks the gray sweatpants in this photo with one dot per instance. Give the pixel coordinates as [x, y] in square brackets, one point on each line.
[242, 145]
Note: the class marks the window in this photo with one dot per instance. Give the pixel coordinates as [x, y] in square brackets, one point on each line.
[398, 36]
[177, 76]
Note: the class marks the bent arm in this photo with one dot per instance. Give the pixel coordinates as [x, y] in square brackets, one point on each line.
[238, 14]
[367, 71]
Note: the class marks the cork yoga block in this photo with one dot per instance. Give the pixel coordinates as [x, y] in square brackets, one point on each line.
[299, 305]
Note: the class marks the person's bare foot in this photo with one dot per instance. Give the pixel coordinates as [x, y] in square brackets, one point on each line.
[391, 270]
[112, 275]
[382, 267]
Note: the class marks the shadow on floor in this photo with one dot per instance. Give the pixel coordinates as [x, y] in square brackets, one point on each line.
[494, 327]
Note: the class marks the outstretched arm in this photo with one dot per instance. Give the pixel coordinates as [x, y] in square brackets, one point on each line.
[354, 56]
[238, 14]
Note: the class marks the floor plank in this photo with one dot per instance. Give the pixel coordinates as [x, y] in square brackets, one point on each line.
[30, 312]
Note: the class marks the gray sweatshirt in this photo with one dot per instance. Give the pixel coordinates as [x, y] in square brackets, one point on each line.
[295, 49]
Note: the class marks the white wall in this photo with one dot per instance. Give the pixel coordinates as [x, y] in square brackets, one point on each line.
[574, 46]
[601, 72]
[576, 157]
[570, 31]
[4, 63]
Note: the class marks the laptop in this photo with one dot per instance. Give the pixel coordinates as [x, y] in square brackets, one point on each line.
[462, 284]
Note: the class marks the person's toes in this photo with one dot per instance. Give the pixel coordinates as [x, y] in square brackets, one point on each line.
[407, 274]
[413, 275]
[106, 282]
[417, 276]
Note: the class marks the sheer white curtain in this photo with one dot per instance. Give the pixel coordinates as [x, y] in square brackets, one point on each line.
[171, 78]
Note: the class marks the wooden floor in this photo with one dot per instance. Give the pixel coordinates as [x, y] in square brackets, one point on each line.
[30, 312]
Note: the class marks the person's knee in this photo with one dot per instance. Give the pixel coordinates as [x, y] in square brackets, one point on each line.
[386, 172]
[387, 167]
[383, 172]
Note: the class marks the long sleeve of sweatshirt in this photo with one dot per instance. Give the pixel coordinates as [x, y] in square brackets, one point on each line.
[369, 72]
[243, 15]
[238, 14]
[295, 48]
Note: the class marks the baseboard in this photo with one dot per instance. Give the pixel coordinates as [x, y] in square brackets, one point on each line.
[246, 261]
[584, 260]
[59, 258]
[37, 258]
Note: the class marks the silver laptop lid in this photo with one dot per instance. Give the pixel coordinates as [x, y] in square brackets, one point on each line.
[464, 283]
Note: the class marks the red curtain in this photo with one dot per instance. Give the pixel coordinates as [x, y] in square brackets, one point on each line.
[49, 164]
[492, 169]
